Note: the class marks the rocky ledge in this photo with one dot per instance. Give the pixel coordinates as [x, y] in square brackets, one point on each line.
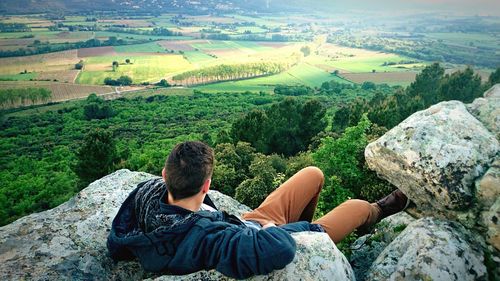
[69, 242]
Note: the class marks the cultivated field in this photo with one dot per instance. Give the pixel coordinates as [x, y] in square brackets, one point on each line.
[154, 57]
[302, 73]
[60, 91]
[391, 78]
[142, 68]
[39, 63]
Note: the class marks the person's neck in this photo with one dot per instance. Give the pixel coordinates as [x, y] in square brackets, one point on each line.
[191, 203]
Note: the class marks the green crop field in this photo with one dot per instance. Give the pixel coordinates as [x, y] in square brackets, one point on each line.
[151, 47]
[139, 37]
[467, 39]
[141, 69]
[367, 64]
[19, 77]
[227, 45]
[197, 57]
[300, 74]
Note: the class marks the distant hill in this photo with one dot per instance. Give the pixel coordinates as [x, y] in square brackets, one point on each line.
[486, 7]
[186, 6]
[178, 6]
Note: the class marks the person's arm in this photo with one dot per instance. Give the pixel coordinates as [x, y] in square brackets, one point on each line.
[241, 252]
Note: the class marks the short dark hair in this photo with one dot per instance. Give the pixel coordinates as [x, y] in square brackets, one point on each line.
[187, 167]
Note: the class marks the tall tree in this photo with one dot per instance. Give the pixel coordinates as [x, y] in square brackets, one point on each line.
[96, 157]
[427, 83]
[461, 85]
[494, 77]
[252, 128]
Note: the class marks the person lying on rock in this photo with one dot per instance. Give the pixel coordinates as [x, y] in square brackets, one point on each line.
[172, 226]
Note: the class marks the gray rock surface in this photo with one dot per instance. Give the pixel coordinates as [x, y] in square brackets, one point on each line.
[488, 186]
[434, 157]
[487, 110]
[368, 247]
[69, 242]
[490, 220]
[431, 249]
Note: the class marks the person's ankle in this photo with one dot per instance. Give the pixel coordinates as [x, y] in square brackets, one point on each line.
[393, 203]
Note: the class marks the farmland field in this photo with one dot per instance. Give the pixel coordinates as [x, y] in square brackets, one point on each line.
[300, 74]
[314, 57]
[141, 68]
[391, 78]
[367, 63]
[47, 62]
[19, 77]
[152, 47]
[467, 40]
[60, 91]
[197, 57]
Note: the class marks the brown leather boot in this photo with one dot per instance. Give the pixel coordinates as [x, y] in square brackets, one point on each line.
[392, 203]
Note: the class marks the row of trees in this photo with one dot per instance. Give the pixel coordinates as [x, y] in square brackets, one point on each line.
[123, 80]
[226, 72]
[11, 97]
[157, 31]
[14, 27]
[300, 90]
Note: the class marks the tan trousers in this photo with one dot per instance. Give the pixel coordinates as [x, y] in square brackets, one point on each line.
[296, 200]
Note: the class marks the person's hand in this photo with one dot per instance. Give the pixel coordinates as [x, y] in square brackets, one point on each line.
[269, 224]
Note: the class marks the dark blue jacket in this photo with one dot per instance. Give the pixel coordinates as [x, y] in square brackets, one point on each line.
[202, 240]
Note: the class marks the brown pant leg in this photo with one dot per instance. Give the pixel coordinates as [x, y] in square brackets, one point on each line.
[294, 200]
[348, 216]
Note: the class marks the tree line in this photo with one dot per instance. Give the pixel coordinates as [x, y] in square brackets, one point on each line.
[11, 97]
[157, 31]
[226, 72]
[14, 27]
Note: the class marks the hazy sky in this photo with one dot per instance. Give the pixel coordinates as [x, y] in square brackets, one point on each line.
[469, 7]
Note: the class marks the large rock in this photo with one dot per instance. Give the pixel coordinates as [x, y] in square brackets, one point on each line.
[367, 248]
[430, 249]
[69, 242]
[487, 110]
[434, 157]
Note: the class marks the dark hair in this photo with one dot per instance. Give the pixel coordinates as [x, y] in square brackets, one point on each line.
[187, 167]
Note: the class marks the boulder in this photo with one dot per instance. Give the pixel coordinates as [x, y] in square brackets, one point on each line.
[490, 220]
[488, 186]
[434, 157]
[368, 247]
[69, 242]
[487, 110]
[431, 249]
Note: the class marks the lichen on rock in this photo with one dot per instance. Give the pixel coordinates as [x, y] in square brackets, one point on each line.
[434, 157]
[431, 249]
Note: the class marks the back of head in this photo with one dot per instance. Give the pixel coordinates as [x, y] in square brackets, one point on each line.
[187, 167]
